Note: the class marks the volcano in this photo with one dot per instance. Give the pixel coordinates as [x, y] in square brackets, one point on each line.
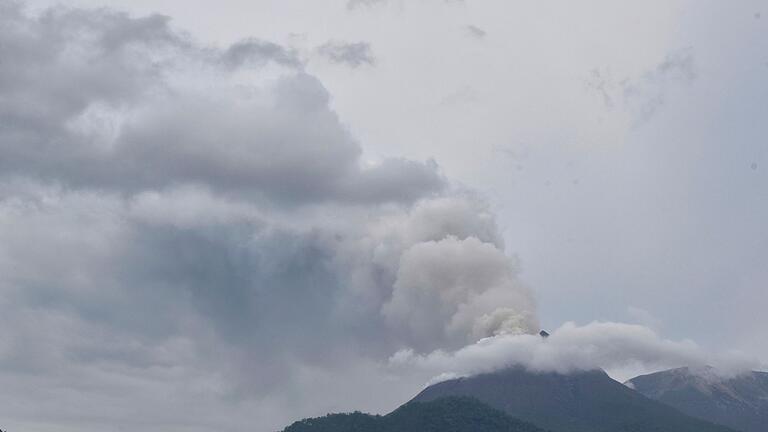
[588, 401]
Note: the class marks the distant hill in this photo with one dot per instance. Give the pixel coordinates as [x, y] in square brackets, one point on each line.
[451, 414]
[740, 402]
[578, 402]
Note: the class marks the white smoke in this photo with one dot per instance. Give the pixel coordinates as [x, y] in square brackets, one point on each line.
[607, 345]
[451, 292]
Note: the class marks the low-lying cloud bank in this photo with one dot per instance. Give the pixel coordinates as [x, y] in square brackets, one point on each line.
[598, 345]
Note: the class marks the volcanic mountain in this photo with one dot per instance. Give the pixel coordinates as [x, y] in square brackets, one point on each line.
[578, 402]
[740, 402]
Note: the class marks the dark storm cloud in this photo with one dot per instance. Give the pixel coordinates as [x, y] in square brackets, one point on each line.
[350, 54]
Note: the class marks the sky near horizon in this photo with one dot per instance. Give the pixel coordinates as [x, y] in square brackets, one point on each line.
[230, 217]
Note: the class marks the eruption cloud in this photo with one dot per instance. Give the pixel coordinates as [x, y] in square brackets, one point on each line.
[451, 292]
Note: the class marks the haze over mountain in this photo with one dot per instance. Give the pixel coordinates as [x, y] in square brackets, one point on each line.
[579, 402]
[740, 401]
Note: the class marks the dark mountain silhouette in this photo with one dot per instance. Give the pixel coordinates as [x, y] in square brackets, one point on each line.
[452, 414]
[579, 402]
[739, 402]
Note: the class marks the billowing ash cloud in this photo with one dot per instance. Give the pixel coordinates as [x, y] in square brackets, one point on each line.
[598, 345]
[186, 226]
[452, 292]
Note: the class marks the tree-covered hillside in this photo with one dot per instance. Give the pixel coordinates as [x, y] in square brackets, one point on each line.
[451, 414]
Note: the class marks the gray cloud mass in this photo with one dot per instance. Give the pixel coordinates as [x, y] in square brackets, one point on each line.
[182, 225]
[95, 100]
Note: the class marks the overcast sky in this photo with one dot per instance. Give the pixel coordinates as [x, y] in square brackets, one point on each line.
[233, 216]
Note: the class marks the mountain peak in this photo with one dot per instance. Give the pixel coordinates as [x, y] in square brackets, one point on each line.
[582, 401]
[739, 401]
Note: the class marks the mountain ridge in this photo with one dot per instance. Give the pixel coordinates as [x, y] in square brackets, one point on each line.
[588, 401]
[739, 401]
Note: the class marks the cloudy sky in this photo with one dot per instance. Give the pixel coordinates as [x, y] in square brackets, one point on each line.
[230, 217]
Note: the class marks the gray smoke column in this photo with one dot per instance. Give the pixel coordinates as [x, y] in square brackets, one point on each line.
[456, 291]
